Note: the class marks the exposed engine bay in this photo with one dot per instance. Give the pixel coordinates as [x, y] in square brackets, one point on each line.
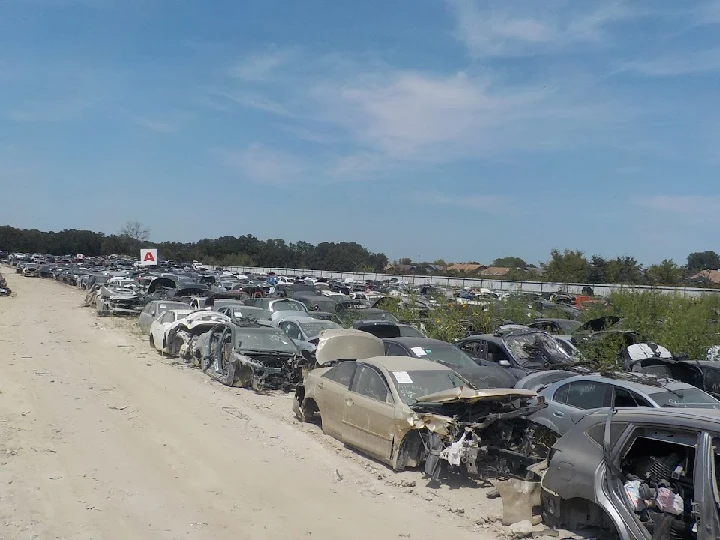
[485, 438]
[658, 482]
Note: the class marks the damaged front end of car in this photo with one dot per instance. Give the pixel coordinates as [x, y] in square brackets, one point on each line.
[484, 432]
[117, 301]
[249, 354]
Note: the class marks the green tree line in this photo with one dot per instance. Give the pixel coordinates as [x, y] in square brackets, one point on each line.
[227, 250]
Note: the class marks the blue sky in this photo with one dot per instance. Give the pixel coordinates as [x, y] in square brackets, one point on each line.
[459, 129]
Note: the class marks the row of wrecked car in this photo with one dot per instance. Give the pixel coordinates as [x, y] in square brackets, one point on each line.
[631, 454]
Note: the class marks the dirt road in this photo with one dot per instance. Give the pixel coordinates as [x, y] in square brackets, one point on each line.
[101, 438]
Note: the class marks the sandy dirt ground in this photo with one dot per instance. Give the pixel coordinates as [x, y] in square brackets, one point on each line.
[102, 438]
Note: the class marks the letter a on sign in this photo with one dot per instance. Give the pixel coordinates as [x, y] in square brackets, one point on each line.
[148, 257]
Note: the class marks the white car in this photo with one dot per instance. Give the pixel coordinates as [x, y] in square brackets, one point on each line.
[160, 326]
[177, 330]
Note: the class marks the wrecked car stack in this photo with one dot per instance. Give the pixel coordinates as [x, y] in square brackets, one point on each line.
[596, 466]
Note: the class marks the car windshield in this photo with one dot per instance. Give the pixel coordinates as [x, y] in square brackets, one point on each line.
[445, 353]
[412, 385]
[684, 397]
[256, 313]
[285, 305]
[264, 339]
[313, 329]
[568, 327]
[531, 346]
[409, 331]
[325, 304]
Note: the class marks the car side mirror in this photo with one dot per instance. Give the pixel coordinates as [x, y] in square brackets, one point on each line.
[504, 363]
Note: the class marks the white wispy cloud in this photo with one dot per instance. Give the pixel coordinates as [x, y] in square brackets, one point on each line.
[153, 124]
[262, 66]
[697, 61]
[684, 204]
[262, 165]
[491, 203]
[500, 28]
[423, 117]
[38, 111]
[251, 100]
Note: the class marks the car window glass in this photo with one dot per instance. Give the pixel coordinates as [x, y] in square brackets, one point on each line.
[625, 398]
[473, 348]
[561, 395]
[587, 394]
[496, 351]
[597, 432]
[342, 373]
[393, 349]
[293, 331]
[168, 317]
[369, 383]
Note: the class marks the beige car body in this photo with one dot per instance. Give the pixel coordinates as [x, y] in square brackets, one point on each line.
[379, 428]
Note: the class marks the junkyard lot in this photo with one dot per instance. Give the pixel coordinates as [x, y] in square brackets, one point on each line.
[101, 438]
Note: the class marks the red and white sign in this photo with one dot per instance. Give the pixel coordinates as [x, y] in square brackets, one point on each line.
[148, 257]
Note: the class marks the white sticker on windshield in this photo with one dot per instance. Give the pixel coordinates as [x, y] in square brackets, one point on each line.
[402, 377]
[419, 351]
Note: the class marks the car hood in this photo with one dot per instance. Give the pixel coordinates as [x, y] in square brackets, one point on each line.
[341, 344]
[488, 377]
[470, 395]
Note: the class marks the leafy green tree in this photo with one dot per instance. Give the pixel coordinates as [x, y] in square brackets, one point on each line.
[598, 270]
[570, 266]
[624, 270]
[703, 260]
[509, 262]
[665, 273]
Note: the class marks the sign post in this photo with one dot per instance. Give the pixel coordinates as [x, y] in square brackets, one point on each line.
[148, 257]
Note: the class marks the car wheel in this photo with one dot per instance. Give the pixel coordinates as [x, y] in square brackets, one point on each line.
[227, 376]
[205, 363]
[306, 411]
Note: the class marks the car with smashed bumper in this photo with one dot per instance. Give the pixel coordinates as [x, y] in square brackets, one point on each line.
[520, 351]
[408, 412]
[637, 474]
[251, 354]
[179, 331]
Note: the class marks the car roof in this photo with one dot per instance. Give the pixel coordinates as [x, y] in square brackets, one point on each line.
[302, 319]
[486, 337]
[674, 417]
[662, 385]
[404, 363]
[416, 341]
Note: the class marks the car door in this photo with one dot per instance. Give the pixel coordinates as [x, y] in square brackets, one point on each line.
[370, 414]
[158, 329]
[707, 494]
[147, 316]
[572, 401]
[331, 391]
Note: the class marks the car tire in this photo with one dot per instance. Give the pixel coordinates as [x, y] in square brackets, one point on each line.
[306, 411]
